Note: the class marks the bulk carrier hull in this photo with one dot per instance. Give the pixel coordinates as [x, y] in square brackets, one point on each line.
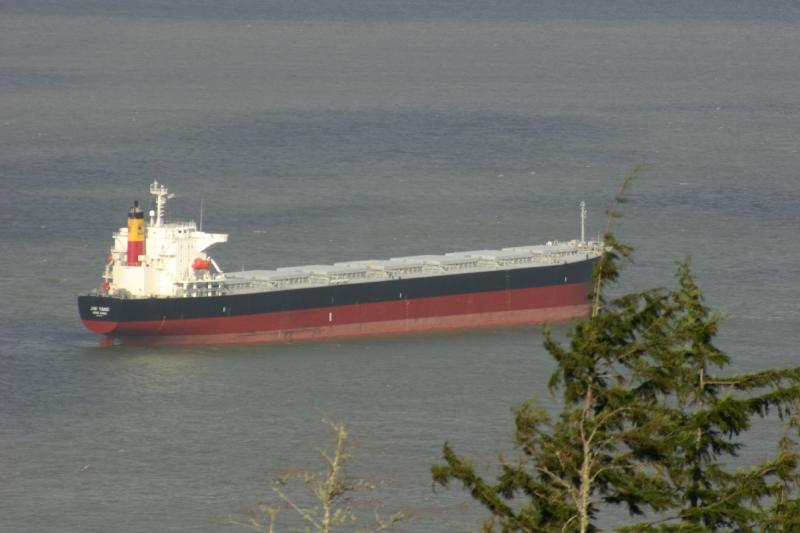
[159, 286]
[504, 297]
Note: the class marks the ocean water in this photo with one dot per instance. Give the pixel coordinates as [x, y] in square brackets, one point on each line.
[320, 132]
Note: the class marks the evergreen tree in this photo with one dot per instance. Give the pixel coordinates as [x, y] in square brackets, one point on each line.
[709, 412]
[645, 423]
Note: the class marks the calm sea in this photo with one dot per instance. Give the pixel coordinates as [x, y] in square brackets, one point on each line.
[316, 132]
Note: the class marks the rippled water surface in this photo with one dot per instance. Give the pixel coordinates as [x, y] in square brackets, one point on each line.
[353, 130]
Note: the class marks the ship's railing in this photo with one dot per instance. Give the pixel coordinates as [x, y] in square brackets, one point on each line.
[206, 287]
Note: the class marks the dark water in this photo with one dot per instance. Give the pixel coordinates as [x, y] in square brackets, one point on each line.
[320, 132]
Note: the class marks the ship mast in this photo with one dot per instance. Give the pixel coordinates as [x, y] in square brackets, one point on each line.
[583, 221]
[160, 192]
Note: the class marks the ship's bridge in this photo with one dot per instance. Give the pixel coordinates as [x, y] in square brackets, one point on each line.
[174, 257]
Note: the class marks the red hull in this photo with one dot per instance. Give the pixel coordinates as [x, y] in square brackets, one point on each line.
[465, 311]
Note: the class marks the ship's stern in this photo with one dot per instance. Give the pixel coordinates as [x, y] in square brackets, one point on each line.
[100, 314]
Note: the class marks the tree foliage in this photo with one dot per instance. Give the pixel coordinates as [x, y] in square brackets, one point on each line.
[648, 421]
[326, 504]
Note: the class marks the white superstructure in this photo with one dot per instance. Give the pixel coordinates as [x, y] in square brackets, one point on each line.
[174, 263]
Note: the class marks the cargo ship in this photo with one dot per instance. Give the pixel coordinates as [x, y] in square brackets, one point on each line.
[160, 286]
